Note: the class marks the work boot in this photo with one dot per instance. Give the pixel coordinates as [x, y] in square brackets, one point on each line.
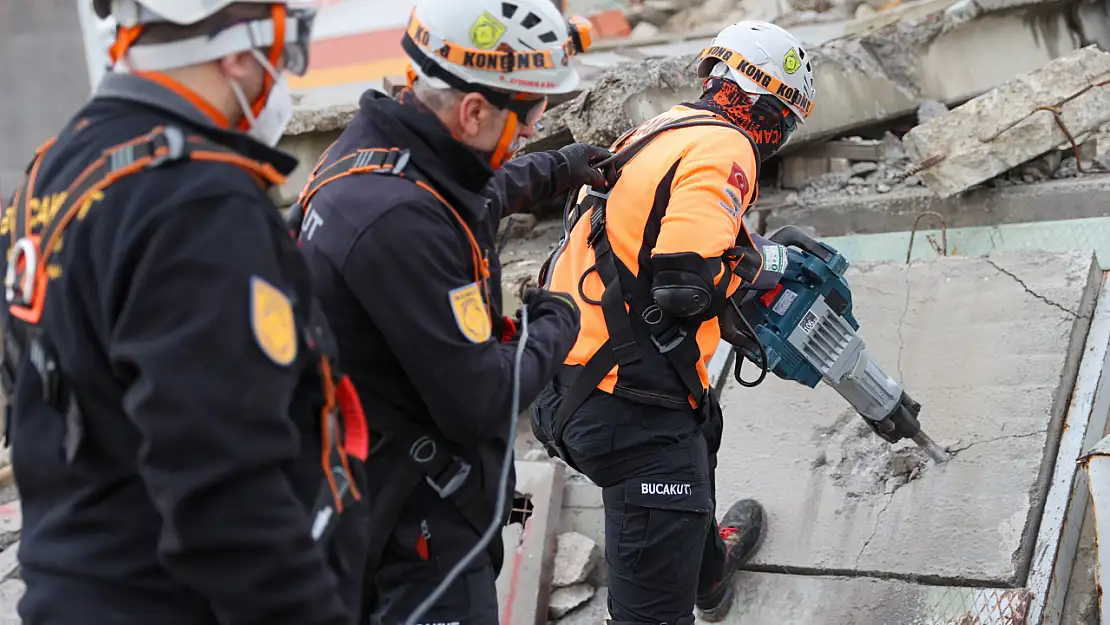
[741, 529]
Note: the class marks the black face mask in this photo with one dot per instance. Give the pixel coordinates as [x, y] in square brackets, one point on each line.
[767, 120]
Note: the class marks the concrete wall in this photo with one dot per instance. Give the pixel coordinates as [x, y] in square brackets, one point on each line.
[44, 76]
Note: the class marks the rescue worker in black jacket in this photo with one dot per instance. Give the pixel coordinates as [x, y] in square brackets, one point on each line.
[170, 391]
[398, 223]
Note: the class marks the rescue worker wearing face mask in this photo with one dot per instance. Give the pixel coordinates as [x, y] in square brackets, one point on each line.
[398, 223]
[650, 267]
[181, 435]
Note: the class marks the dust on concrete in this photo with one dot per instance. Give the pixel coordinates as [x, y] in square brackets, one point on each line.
[860, 462]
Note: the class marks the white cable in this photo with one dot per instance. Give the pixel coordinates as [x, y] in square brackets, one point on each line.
[495, 522]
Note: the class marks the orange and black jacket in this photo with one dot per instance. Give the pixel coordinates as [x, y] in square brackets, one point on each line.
[686, 191]
[396, 259]
[176, 487]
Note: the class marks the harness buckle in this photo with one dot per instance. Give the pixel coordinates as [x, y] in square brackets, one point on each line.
[425, 450]
[672, 343]
[599, 194]
[396, 160]
[455, 482]
[173, 140]
[597, 221]
[25, 280]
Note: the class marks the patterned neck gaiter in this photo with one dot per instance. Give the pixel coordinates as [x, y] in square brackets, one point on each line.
[765, 122]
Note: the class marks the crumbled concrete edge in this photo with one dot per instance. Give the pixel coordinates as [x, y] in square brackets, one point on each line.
[307, 120]
[566, 599]
[1081, 323]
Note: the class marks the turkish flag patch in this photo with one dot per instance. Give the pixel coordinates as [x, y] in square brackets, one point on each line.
[738, 179]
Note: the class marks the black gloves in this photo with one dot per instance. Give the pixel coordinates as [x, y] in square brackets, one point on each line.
[581, 159]
[542, 302]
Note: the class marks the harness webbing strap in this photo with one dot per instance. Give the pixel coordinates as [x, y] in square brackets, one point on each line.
[371, 160]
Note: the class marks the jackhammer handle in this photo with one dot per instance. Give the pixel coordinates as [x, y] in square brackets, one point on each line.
[795, 236]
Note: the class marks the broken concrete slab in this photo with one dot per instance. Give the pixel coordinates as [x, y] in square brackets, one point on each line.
[593, 612]
[991, 204]
[524, 584]
[512, 537]
[576, 556]
[563, 600]
[764, 598]
[989, 347]
[1027, 116]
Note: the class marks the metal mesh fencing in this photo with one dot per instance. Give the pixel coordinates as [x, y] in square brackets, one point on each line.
[977, 606]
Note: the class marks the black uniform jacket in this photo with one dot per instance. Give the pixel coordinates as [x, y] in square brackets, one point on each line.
[196, 433]
[396, 278]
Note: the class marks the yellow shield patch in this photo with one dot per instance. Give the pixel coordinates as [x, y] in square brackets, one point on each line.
[791, 62]
[470, 313]
[272, 322]
[486, 31]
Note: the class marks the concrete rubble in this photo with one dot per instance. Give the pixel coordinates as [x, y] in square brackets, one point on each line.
[593, 612]
[566, 599]
[883, 69]
[575, 558]
[1013, 124]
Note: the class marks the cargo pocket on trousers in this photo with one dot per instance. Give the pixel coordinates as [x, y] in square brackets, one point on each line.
[663, 529]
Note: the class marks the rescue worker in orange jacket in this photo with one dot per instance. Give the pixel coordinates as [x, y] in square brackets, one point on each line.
[651, 263]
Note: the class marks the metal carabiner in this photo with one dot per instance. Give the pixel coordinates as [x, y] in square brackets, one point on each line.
[25, 250]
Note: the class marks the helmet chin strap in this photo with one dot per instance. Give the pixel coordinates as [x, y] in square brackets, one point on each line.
[269, 66]
[505, 144]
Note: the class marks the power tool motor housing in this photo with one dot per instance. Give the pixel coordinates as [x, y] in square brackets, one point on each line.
[808, 332]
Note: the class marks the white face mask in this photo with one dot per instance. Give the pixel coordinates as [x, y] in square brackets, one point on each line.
[271, 122]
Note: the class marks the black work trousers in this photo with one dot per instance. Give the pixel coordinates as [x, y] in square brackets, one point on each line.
[470, 600]
[656, 471]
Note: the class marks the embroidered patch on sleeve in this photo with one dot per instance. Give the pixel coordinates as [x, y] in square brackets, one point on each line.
[275, 330]
[739, 179]
[470, 313]
[735, 206]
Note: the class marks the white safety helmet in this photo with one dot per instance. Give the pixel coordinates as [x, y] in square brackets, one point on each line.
[132, 15]
[521, 46]
[762, 58]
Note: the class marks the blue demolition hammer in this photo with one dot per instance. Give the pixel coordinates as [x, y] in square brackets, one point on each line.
[802, 329]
